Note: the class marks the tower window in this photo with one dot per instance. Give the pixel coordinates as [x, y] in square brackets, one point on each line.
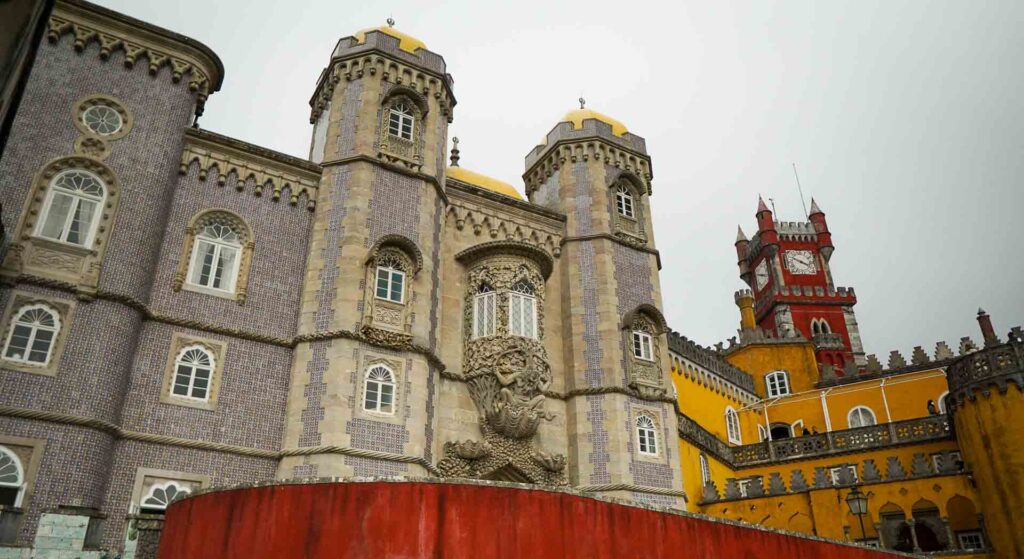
[400, 121]
[193, 370]
[522, 311]
[646, 435]
[379, 394]
[72, 208]
[732, 426]
[484, 304]
[861, 416]
[216, 257]
[390, 280]
[624, 202]
[32, 334]
[777, 384]
[643, 346]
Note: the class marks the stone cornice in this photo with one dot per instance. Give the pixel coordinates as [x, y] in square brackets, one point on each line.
[552, 157]
[614, 239]
[519, 248]
[114, 31]
[266, 167]
[491, 200]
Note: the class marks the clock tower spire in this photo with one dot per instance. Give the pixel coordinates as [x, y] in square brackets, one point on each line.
[786, 265]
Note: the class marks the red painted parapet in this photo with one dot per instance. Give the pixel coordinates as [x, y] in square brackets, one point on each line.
[432, 519]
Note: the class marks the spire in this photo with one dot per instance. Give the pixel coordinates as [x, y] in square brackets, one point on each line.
[761, 206]
[740, 237]
[814, 207]
[455, 151]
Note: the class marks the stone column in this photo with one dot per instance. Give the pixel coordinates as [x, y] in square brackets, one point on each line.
[881, 537]
[953, 544]
[913, 534]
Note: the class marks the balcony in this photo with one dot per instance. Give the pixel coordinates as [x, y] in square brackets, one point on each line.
[828, 341]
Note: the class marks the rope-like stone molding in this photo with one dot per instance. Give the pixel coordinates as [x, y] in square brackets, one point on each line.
[631, 487]
[614, 239]
[362, 453]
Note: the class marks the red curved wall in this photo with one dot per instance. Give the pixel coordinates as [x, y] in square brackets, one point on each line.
[411, 520]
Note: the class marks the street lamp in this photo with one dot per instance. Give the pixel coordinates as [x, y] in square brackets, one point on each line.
[857, 500]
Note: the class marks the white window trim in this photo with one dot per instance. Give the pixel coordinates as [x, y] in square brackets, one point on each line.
[779, 389]
[481, 302]
[705, 470]
[732, 426]
[232, 274]
[646, 345]
[183, 486]
[53, 342]
[377, 403]
[192, 378]
[860, 409]
[391, 280]
[90, 235]
[402, 118]
[622, 195]
[20, 468]
[962, 536]
[652, 435]
[523, 297]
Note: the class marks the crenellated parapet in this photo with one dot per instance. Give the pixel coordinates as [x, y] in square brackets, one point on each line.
[492, 217]
[843, 296]
[594, 141]
[995, 366]
[681, 347]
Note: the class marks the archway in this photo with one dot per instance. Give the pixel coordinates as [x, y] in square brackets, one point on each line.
[781, 431]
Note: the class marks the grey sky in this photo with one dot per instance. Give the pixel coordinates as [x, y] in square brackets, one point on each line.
[904, 118]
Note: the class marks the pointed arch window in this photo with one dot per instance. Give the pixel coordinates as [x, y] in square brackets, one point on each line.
[390, 279]
[705, 470]
[522, 307]
[484, 308]
[777, 384]
[161, 495]
[400, 121]
[12, 478]
[646, 435]
[193, 370]
[32, 334]
[216, 257]
[379, 394]
[732, 426]
[861, 416]
[624, 201]
[72, 208]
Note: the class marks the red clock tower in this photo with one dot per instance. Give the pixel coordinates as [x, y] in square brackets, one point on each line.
[786, 266]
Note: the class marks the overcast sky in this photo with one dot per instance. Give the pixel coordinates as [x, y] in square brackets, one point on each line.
[905, 120]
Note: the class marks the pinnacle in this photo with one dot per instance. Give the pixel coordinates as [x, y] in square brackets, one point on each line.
[981, 311]
[740, 237]
[761, 206]
[814, 207]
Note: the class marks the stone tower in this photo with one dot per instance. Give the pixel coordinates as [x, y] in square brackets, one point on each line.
[615, 347]
[786, 265]
[986, 399]
[381, 111]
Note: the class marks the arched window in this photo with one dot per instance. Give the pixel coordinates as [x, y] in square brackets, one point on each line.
[160, 496]
[705, 470]
[624, 201]
[824, 327]
[484, 305]
[193, 369]
[732, 426]
[379, 394]
[646, 435]
[215, 258]
[12, 478]
[32, 333]
[643, 345]
[400, 121]
[522, 310]
[860, 416]
[390, 280]
[72, 208]
[777, 384]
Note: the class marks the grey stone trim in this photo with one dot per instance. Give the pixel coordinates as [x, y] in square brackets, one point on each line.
[631, 487]
[613, 238]
[711, 361]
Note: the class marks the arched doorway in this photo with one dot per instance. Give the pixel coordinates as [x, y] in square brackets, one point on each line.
[781, 431]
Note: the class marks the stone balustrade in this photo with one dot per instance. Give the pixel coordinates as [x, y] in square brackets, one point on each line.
[995, 366]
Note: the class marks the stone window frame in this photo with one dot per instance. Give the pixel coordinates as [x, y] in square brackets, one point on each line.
[646, 376]
[34, 330]
[146, 478]
[861, 408]
[384, 314]
[392, 382]
[87, 102]
[647, 433]
[661, 452]
[32, 254]
[398, 373]
[179, 342]
[65, 311]
[188, 249]
[501, 273]
[820, 326]
[408, 151]
[732, 426]
[633, 228]
[29, 452]
[78, 198]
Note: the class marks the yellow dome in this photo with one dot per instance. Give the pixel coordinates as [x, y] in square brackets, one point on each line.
[405, 42]
[576, 117]
[483, 181]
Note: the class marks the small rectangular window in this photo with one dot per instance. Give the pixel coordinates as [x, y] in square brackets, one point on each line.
[483, 315]
[390, 284]
[971, 540]
[642, 346]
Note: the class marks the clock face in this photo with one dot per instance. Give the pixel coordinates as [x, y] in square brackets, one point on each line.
[761, 274]
[801, 262]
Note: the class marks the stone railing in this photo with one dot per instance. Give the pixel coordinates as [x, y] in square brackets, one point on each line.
[700, 437]
[10, 517]
[994, 366]
[828, 341]
[923, 429]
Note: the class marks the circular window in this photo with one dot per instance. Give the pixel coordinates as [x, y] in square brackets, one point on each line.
[102, 120]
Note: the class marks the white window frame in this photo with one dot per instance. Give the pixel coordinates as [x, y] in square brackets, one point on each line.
[705, 470]
[77, 198]
[732, 426]
[643, 342]
[776, 384]
[522, 300]
[391, 272]
[191, 387]
[399, 116]
[377, 405]
[485, 309]
[646, 435]
[182, 488]
[96, 108]
[963, 539]
[230, 276]
[33, 334]
[860, 411]
[625, 204]
[19, 471]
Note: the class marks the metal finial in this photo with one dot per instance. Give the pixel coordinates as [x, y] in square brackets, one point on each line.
[583, 102]
[391, 22]
[455, 151]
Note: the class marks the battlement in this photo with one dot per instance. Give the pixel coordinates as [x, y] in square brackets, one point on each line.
[805, 293]
[743, 294]
[992, 367]
[796, 231]
[710, 360]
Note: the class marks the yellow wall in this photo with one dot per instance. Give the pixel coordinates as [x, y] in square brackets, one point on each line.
[796, 358]
[703, 404]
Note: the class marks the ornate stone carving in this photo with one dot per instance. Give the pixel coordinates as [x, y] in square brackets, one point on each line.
[386, 315]
[234, 222]
[395, 149]
[645, 376]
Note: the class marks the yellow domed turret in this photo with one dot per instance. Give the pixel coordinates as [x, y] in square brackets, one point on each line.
[483, 181]
[577, 116]
[405, 42]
